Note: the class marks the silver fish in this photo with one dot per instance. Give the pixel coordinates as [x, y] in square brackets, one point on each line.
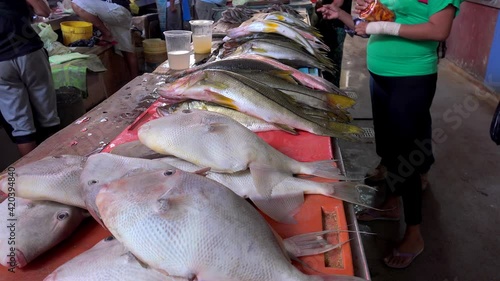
[107, 260]
[53, 178]
[33, 227]
[191, 227]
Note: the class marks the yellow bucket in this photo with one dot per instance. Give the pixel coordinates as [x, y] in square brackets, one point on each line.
[154, 45]
[75, 30]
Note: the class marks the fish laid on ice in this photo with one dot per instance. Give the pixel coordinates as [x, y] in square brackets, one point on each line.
[53, 178]
[188, 226]
[252, 123]
[33, 227]
[102, 168]
[253, 98]
[283, 195]
[107, 260]
[213, 140]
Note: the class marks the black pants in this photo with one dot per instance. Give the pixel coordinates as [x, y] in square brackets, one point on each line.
[403, 134]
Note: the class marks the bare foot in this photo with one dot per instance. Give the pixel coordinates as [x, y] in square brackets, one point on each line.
[411, 246]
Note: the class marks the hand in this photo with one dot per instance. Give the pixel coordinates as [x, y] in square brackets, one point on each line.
[329, 11]
[360, 28]
[173, 9]
[361, 5]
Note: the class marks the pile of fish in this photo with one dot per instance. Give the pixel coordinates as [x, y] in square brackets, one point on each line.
[256, 74]
[177, 201]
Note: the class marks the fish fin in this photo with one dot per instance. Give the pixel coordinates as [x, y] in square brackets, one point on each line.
[285, 75]
[215, 84]
[259, 50]
[324, 169]
[222, 100]
[133, 257]
[345, 129]
[339, 101]
[355, 193]
[202, 172]
[286, 128]
[309, 244]
[280, 208]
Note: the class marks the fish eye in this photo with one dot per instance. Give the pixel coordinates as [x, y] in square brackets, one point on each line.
[169, 172]
[91, 182]
[63, 215]
[186, 111]
[110, 238]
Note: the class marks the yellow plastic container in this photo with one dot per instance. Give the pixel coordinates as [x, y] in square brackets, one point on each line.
[75, 30]
[154, 45]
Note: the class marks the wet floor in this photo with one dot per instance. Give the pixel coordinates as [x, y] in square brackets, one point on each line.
[461, 218]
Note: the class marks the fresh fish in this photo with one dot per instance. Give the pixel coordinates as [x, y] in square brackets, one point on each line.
[249, 62]
[53, 178]
[215, 141]
[285, 82]
[33, 227]
[288, 18]
[310, 33]
[290, 54]
[102, 168]
[284, 194]
[271, 27]
[253, 98]
[250, 122]
[107, 260]
[192, 227]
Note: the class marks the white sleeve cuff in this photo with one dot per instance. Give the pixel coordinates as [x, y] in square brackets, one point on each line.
[383, 27]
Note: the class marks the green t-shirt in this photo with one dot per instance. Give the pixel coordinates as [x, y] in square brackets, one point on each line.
[396, 56]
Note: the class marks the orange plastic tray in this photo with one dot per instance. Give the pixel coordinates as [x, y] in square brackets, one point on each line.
[318, 212]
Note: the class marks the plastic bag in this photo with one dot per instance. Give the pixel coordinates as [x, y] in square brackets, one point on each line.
[376, 11]
[495, 126]
[65, 7]
[47, 35]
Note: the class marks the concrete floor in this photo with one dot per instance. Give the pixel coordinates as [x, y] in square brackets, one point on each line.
[461, 218]
[461, 209]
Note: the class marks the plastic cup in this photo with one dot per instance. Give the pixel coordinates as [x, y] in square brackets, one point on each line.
[376, 11]
[202, 36]
[178, 48]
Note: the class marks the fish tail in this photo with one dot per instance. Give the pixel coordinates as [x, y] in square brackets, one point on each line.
[324, 169]
[345, 129]
[352, 192]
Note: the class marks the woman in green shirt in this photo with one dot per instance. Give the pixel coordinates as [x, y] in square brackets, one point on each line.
[402, 60]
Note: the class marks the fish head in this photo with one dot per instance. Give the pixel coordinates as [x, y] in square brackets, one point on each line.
[39, 226]
[177, 88]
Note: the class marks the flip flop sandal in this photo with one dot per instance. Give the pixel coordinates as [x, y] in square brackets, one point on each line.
[408, 256]
[374, 216]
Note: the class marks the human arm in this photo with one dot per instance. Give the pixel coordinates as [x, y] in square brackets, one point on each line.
[172, 8]
[40, 7]
[437, 28]
[332, 11]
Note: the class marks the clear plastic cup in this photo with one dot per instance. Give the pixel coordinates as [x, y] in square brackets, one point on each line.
[178, 48]
[377, 11]
[202, 36]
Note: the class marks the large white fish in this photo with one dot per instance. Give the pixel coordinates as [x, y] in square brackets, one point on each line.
[33, 227]
[213, 140]
[53, 178]
[102, 168]
[283, 196]
[188, 226]
[108, 260]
